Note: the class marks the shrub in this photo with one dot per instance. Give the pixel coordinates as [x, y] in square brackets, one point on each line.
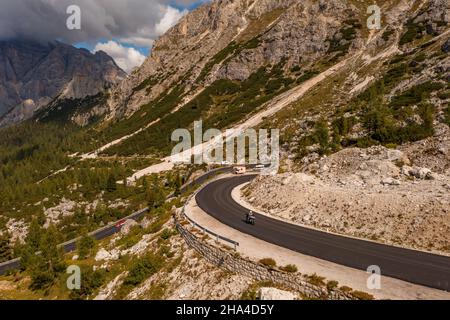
[166, 234]
[343, 125]
[378, 121]
[331, 285]
[362, 295]
[268, 262]
[391, 145]
[290, 268]
[444, 95]
[387, 34]
[316, 280]
[142, 269]
[322, 133]
[85, 246]
[6, 252]
[447, 115]
[164, 251]
[296, 68]
[346, 289]
[111, 184]
[91, 280]
[395, 73]
[413, 31]
[415, 94]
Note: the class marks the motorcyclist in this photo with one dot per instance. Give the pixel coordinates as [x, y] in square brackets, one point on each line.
[250, 216]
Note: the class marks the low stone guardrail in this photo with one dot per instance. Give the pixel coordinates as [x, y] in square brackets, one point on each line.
[236, 264]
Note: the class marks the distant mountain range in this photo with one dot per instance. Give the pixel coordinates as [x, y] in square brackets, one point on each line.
[33, 74]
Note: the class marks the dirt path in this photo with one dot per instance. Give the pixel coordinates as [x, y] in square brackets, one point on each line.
[94, 154]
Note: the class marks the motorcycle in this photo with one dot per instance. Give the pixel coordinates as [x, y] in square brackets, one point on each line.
[250, 219]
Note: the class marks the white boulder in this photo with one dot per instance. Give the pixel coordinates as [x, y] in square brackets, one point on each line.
[127, 226]
[275, 294]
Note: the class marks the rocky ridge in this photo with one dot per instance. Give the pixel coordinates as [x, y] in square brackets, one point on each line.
[231, 40]
[34, 74]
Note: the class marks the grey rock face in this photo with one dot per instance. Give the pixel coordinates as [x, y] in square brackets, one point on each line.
[33, 74]
[446, 46]
[270, 30]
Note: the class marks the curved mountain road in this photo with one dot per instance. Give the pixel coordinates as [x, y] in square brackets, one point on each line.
[409, 265]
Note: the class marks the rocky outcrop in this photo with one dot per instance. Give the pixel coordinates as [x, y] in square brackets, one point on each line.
[275, 294]
[34, 74]
[231, 40]
[127, 226]
[446, 46]
[435, 17]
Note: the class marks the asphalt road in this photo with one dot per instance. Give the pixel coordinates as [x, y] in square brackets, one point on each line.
[409, 265]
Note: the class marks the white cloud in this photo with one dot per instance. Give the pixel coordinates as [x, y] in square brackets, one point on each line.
[138, 22]
[126, 58]
[170, 18]
[138, 41]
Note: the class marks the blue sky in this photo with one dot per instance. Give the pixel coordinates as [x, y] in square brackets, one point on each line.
[90, 46]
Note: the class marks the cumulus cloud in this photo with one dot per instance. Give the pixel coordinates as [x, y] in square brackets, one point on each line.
[136, 21]
[108, 25]
[170, 18]
[126, 58]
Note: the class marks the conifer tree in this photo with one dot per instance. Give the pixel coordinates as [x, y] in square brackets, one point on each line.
[155, 196]
[111, 184]
[85, 246]
[6, 252]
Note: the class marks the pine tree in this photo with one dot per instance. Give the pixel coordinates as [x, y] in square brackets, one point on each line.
[155, 196]
[111, 184]
[52, 254]
[85, 246]
[177, 184]
[322, 135]
[46, 266]
[5, 248]
[33, 239]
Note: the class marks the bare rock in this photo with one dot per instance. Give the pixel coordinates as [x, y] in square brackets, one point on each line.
[63, 72]
[446, 46]
[127, 226]
[390, 182]
[275, 294]
[104, 255]
[421, 173]
[145, 223]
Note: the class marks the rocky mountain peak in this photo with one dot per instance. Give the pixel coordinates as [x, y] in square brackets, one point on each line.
[230, 40]
[32, 74]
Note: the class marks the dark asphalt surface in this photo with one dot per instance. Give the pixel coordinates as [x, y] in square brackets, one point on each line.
[412, 266]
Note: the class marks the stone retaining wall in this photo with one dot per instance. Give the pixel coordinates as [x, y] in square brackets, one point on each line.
[234, 263]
